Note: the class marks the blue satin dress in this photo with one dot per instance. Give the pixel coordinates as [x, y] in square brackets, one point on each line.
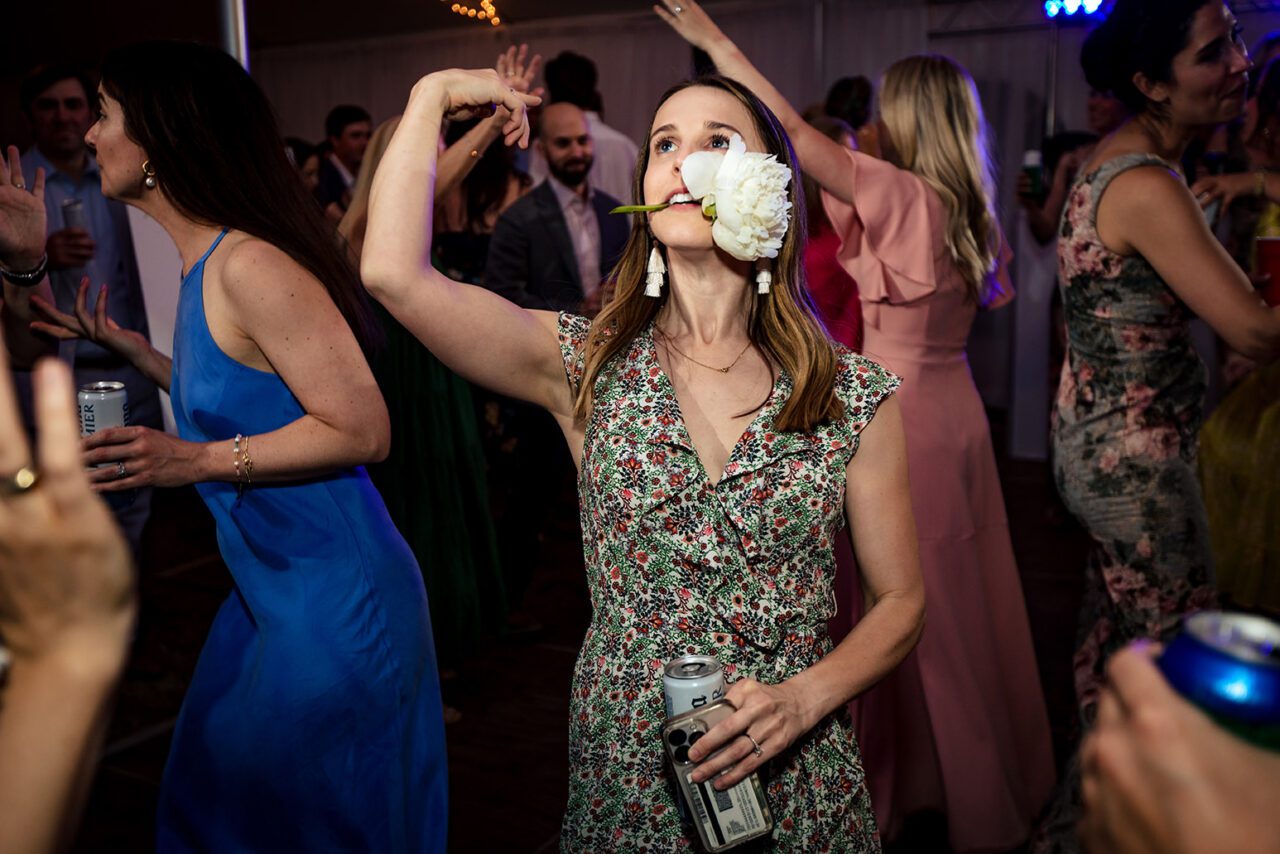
[313, 722]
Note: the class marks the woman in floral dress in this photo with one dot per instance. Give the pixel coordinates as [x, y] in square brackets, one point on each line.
[1136, 262]
[722, 443]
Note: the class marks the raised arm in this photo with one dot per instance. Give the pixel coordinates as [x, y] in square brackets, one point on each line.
[1150, 211]
[479, 335]
[22, 248]
[821, 158]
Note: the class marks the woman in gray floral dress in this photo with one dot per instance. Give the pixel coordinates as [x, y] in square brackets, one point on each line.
[1136, 262]
[723, 442]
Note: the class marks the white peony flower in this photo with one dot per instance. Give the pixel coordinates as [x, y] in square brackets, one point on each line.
[745, 194]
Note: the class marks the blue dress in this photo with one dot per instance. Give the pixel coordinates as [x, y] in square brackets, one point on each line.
[313, 721]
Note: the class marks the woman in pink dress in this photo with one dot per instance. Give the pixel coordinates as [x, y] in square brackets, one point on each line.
[960, 726]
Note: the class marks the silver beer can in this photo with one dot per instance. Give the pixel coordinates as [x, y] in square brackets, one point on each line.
[73, 214]
[691, 682]
[102, 405]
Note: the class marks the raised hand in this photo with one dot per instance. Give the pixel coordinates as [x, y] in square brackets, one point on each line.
[22, 215]
[66, 579]
[460, 94]
[96, 327]
[689, 20]
[514, 71]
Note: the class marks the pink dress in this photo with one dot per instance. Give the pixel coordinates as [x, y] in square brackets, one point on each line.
[960, 726]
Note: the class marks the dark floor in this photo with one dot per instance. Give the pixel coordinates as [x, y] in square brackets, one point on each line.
[507, 754]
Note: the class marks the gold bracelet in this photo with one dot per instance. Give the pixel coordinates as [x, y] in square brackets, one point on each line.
[1260, 183]
[248, 463]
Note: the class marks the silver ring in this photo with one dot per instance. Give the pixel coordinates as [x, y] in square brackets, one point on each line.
[23, 480]
[677, 9]
[20, 185]
[755, 745]
[121, 472]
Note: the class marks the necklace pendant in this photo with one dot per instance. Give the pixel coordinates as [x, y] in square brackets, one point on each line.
[724, 370]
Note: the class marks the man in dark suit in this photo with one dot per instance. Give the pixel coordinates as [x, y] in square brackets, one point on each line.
[554, 248]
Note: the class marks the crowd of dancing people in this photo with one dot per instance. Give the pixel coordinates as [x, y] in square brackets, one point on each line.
[394, 350]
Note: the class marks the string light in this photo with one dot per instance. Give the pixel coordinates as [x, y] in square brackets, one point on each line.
[1070, 8]
[486, 11]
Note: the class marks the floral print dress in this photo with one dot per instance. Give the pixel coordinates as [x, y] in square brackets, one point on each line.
[1124, 438]
[741, 569]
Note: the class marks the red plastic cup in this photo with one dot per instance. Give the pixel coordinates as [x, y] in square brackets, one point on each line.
[1268, 261]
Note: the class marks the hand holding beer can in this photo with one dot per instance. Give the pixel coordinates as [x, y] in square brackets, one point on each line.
[1228, 664]
[103, 405]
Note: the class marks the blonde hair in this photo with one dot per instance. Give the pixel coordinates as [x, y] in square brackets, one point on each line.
[931, 109]
[356, 219]
[782, 323]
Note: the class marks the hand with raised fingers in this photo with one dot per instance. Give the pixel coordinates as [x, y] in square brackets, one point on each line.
[769, 718]
[66, 578]
[96, 327]
[22, 215]
[460, 94]
[688, 19]
[515, 72]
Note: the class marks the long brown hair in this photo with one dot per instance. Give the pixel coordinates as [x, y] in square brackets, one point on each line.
[211, 135]
[934, 117]
[781, 324]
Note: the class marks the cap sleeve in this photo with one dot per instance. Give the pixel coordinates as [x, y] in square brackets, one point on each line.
[573, 330]
[889, 236]
[862, 385]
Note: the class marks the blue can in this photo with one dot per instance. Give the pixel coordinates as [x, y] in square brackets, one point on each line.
[1228, 664]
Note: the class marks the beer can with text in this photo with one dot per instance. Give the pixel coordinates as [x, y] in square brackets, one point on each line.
[1228, 664]
[102, 405]
[691, 682]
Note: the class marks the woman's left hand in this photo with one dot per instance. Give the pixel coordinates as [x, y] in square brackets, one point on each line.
[772, 715]
[140, 456]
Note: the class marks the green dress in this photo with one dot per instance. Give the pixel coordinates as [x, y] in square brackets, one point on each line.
[433, 483]
[741, 569]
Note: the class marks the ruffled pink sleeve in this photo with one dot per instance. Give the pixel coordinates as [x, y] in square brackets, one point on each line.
[891, 238]
[889, 241]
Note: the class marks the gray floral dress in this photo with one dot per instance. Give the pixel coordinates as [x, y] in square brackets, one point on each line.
[741, 569]
[1124, 438]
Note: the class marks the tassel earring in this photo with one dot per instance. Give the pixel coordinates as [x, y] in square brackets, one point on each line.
[150, 172]
[656, 274]
[764, 276]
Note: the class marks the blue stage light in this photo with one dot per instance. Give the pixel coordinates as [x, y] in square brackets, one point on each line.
[1071, 8]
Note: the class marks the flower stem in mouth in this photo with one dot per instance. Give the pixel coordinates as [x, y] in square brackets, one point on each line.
[626, 209]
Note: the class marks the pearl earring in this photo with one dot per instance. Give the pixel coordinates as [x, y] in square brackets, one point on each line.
[149, 171]
[656, 273]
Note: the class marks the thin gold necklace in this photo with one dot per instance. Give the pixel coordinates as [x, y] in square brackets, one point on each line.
[725, 370]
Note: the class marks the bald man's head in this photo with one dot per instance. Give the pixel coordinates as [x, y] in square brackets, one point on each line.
[565, 141]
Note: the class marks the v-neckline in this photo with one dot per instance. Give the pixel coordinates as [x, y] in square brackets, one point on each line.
[682, 428]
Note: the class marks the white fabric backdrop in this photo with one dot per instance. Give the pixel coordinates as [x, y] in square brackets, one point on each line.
[802, 46]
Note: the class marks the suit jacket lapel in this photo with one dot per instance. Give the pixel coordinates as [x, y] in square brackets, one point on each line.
[553, 217]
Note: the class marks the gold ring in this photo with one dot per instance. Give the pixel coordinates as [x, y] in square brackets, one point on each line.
[755, 745]
[23, 480]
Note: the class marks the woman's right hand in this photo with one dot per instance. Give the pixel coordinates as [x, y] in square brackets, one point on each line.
[691, 23]
[95, 327]
[22, 215]
[459, 94]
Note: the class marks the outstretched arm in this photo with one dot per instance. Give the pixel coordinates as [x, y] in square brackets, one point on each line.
[479, 335]
[821, 158]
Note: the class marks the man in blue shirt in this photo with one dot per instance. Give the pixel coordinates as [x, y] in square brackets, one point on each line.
[60, 103]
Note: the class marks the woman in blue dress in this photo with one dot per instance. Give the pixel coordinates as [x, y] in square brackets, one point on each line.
[313, 721]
